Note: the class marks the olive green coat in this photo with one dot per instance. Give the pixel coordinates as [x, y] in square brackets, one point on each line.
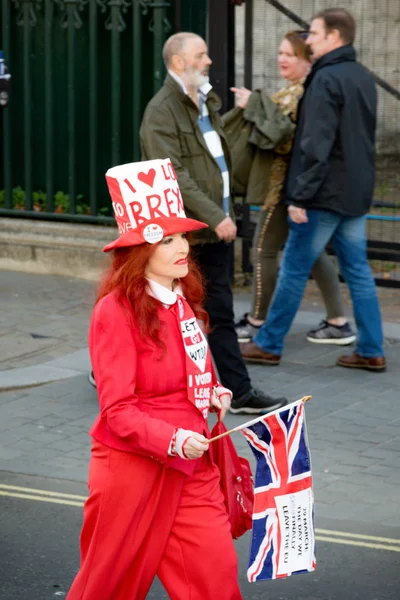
[169, 130]
[252, 135]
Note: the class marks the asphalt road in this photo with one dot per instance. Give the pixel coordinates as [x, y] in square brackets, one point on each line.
[40, 520]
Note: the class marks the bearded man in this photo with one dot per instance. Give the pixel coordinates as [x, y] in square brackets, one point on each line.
[182, 123]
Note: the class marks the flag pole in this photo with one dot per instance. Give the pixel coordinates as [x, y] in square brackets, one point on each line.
[304, 399]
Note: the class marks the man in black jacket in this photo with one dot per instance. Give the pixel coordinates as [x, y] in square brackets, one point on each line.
[329, 191]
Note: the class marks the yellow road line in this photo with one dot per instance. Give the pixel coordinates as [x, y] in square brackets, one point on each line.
[322, 535]
[3, 486]
[357, 536]
[354, 543]
[41, 498]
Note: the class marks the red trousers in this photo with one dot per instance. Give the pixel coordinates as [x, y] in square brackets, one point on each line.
[142, 520]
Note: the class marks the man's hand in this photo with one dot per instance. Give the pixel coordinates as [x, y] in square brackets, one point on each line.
[242, 96]
[298, 215]
[226, 230]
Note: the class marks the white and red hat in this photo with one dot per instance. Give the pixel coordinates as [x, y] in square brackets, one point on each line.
[147, 203]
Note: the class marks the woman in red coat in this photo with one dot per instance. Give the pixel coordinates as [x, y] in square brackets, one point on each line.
[155, 505]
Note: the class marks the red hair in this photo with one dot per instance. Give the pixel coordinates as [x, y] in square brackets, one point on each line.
[126, 276]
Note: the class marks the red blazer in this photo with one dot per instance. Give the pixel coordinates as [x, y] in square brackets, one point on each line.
[143, 397]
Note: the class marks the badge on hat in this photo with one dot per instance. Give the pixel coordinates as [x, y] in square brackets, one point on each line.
[153, 233]
[147, 203]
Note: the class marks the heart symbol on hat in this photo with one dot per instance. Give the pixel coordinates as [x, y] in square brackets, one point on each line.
[155, 226]
[147, 178]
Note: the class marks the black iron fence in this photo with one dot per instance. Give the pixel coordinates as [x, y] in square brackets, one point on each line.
[260, 26]
[82, 72]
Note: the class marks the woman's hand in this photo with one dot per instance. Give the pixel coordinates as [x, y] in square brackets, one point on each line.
[242, 95]
[221, 400]
[190, 444]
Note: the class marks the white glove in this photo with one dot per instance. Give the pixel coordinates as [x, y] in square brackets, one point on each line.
[189, 444]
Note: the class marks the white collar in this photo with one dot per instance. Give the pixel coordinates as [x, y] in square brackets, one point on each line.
[162, 294]
[204, 89]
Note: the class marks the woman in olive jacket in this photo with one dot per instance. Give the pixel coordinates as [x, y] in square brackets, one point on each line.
[261, 140]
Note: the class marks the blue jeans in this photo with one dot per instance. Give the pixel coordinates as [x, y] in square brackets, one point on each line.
[305, 243]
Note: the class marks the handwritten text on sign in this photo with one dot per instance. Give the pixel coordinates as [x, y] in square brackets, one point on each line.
[295, 514]
[195, 343]
[199, 380]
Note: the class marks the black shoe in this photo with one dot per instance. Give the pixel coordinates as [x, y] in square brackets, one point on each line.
[245, 330]
[326, 333]
[255, 402]
[242, 321]
[92, 379]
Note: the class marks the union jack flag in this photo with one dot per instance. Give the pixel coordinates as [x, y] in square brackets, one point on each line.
[283, 540]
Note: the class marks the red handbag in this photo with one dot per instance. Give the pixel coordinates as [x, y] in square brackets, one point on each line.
[236, 481]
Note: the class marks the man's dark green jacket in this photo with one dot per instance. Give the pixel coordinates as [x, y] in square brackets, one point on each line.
[169, 130]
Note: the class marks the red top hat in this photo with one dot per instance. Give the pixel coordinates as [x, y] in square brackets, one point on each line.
[147, 203]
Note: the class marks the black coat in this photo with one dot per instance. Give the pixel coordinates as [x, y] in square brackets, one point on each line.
[333, 160]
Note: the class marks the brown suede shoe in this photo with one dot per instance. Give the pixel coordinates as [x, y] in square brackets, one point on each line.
[253, 354]
[355, 361]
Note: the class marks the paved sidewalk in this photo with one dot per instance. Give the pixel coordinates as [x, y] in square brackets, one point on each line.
[353, 417]
[44, 323]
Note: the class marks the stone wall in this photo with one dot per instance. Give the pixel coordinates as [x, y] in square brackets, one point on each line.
[69, 249]
[377, 43]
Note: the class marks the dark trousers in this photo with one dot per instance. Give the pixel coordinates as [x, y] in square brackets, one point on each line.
[214, 261]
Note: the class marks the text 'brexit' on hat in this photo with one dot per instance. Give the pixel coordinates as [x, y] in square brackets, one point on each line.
[147, 203]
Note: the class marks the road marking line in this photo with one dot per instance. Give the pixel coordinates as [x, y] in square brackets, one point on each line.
[44, 492]
[41, 498]
[354, 543]
[358, 536]
[322, 535]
